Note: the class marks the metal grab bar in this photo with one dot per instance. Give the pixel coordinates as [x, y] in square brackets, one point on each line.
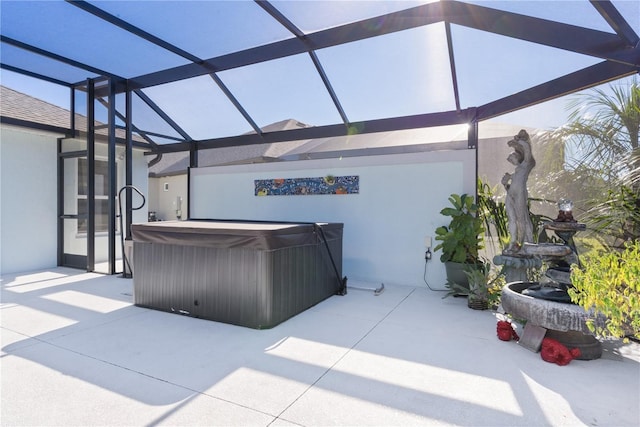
[125, 260]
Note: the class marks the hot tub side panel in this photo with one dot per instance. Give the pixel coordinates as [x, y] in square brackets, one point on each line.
[303, 277]
[241, 286]
[212, 283]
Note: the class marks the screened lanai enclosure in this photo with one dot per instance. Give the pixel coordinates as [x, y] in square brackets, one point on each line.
[145, 80]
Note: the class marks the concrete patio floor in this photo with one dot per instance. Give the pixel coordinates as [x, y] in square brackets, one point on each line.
[76, 351]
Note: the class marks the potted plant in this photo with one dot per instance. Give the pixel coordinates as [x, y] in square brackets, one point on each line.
[485, 286]
[477, 287]
[461, 240]
[478, 277]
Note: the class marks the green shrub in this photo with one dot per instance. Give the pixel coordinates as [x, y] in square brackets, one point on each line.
[609, 283]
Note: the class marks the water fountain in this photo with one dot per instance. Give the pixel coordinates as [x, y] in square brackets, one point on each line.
[545, 305]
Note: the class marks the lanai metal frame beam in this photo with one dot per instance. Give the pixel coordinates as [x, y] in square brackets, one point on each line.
[554, 34]
[162, 114]
[362, 127]
[621, 52]
[59, 58]
[616, 22]
[275, 13]
[601, 73]
[35, 75]
[171, 48]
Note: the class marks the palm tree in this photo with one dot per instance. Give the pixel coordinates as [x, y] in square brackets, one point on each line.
[603, 131]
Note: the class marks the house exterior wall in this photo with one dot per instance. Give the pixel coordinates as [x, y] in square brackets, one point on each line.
[28, 200]
[28, 207]
[385, 225]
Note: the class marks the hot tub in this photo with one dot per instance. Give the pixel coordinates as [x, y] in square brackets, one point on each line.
[248, 273]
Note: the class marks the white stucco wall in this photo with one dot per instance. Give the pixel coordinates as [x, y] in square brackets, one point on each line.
[164, 193]
[28, 200]
[384, 225]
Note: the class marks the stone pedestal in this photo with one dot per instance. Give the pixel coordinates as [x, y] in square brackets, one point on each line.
[564, 322]
[516, 266]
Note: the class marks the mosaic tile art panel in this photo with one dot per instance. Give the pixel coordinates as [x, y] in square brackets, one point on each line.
[307, 186]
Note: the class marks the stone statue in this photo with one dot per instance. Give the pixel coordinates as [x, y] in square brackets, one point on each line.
[519, 222]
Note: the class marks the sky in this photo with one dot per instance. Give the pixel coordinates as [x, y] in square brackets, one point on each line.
[373, 78]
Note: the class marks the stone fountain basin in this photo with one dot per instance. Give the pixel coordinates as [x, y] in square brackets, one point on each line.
[552, 315]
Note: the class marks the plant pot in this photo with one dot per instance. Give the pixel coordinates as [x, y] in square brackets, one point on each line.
[477, 303]
[455, 273]
[478, 297]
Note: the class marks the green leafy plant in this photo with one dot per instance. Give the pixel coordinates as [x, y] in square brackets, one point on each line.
[464, 236]
[478, 275]
[493, 213]
[603, 163]
[609, 283]
[496, 282]
[485, 283]
[618, 215]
